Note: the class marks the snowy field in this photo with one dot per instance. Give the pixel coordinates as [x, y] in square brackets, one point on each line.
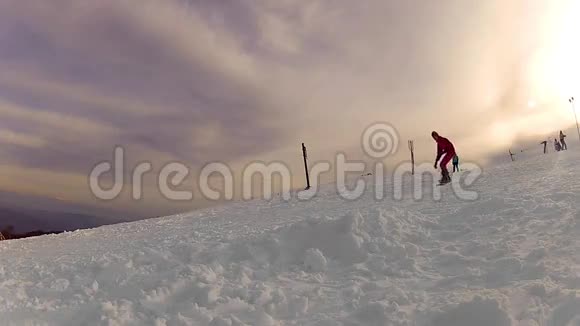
[510, 258]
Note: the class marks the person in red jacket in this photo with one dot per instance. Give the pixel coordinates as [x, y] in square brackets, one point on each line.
[444, 147]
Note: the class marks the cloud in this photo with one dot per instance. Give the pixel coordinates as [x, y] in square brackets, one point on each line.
[153, 75]
[198, 81]
[20, 139]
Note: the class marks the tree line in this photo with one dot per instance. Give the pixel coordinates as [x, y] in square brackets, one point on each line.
[9, 233]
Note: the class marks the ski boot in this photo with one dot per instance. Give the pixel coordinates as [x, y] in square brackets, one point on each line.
[445, 178]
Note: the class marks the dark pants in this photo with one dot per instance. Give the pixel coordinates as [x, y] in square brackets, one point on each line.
[455, 167]
[564, 146]
[448, 156]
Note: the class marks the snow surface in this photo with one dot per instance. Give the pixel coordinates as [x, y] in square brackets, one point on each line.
[509, 258]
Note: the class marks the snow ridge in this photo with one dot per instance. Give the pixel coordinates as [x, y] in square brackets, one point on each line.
[509, 258]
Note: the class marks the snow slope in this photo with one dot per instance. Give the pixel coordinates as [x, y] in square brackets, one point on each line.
[512, 257]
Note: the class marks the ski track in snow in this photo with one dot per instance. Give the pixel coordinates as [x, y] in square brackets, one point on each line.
[509, 258]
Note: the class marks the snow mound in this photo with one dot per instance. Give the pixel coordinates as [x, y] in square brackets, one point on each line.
[478, 312]
[315, 260]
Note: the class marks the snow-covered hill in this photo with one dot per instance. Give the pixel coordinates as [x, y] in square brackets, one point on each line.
[510, 258]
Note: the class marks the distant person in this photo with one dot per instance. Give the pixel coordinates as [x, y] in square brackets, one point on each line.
[455, 163]
[545, 143]
[557, 145]
[444, 148]
[562, 141]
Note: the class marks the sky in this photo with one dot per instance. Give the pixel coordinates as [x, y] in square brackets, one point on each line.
[249, 80]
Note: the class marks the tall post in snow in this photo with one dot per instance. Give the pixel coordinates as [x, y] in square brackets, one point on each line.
[571, 100]
[411, 148]
[306, 166]
[545, 143]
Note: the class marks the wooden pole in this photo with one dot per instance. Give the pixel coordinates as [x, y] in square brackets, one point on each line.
[572, 101]
[306, 166]
[545, 143]
[411, 148]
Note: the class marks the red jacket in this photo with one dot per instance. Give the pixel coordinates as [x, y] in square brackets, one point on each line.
[444, 146]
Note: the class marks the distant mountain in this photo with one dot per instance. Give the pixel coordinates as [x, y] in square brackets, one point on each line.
[15, 200]
[27, 220]
[9, 234]
[35, 213]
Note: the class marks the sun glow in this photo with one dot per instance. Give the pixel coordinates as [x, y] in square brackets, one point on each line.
[556, 67]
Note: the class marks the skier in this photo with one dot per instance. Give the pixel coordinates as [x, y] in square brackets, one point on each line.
[562, 141]
[557, 145]
[444, 147]
[455, 163]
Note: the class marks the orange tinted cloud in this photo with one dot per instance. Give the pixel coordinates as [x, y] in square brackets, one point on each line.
[247, 80]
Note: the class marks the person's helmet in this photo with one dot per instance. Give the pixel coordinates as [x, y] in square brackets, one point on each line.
[434, 134]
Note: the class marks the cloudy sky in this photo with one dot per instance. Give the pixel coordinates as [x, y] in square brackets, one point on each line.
[238, 81]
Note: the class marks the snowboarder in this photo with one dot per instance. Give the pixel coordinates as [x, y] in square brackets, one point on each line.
[557, 145]
[444, 147]
[455, 163]
[562, 141]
